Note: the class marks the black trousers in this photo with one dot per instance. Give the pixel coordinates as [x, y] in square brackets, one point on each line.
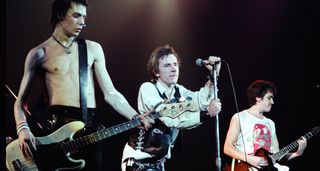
[92, 153]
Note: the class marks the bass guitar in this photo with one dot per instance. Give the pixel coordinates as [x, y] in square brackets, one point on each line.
[53, 151]
[271, 158]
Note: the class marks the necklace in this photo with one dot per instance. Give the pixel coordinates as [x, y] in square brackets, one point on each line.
[68, 50]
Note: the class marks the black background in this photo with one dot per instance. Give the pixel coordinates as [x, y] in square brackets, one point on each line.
[274, 40]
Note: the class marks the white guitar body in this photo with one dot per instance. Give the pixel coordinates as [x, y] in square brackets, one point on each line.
[16, 161]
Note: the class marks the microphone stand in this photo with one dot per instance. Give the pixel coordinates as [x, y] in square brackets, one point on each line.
[213, 79]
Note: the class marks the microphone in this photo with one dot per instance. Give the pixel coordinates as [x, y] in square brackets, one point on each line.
[201, 62]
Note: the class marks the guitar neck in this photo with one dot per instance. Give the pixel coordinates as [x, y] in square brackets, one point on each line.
[73, 145]
[169, 110]
[277, 156]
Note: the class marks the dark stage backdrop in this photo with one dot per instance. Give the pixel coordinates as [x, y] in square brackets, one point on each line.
[269, 40]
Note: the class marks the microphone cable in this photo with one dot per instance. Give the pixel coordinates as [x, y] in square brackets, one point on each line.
[237, 108]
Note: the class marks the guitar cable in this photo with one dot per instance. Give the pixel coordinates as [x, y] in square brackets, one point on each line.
[237, 108]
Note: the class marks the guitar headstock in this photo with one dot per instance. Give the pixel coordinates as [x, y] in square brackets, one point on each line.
[315, 130]
[175, 109]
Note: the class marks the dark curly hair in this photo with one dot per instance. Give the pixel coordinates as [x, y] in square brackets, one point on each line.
[258, 89]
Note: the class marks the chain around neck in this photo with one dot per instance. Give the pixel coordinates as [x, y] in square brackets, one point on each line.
[68, 50]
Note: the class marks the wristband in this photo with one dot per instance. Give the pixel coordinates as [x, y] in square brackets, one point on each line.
[23, 126]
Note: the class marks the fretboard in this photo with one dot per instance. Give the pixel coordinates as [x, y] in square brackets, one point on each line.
[75, 144]
[277, 156]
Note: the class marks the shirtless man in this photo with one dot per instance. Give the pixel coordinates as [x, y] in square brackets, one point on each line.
[57, 59]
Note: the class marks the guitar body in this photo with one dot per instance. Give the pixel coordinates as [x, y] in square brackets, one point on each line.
[272, 158]
[243, 166]
[48, 155]
[53, 150]
[238, 167]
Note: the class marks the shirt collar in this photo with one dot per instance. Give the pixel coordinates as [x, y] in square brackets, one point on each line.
[162, 87]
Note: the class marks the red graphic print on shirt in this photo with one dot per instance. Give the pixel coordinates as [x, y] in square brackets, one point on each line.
[261, 137]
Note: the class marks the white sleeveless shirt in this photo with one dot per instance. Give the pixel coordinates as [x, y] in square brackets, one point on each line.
[257, 133]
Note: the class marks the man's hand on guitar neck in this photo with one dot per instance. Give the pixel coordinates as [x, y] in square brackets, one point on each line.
[302, 146]
[26, 142]
[145, 120]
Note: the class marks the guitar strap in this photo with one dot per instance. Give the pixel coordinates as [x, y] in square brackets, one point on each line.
[176, 95]
[83, 77]
[174, 132]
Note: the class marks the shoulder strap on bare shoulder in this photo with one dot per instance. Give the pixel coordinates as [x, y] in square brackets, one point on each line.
[83, 76]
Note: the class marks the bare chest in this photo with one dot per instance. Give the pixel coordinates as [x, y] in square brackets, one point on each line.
[58, 64]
